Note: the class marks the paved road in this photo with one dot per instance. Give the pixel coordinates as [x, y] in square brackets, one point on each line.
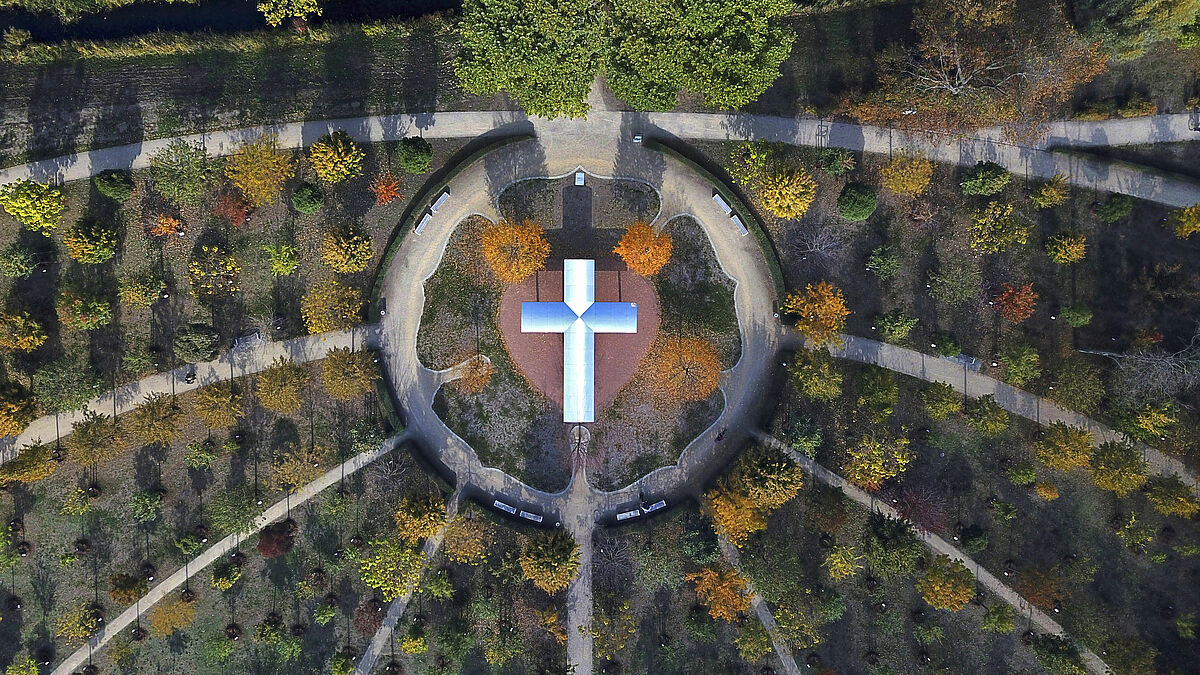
[246, 360]
[1040, 619]
[277, 511]
[1037, 160]
[1044, 411]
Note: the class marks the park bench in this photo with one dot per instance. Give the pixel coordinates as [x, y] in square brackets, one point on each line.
[423, 222]
[531, 516]
[505, 507]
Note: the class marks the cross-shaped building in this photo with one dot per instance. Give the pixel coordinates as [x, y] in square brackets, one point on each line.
[579, 317]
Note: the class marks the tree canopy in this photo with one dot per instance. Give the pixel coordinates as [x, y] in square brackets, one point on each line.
[514, 251]
[644, 251]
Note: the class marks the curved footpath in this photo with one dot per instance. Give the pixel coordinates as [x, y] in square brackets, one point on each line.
[1032, 407]
[940, 546]
[1040, 159]
[277, 511]
[247, 360]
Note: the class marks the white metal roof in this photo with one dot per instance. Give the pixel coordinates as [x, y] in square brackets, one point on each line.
[579, 317]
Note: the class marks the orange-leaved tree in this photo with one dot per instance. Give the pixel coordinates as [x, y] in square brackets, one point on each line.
[725, 592]
[820, 313]
[514, 251]
[1016, 303]
[644, 250]
[762, 479]
[386, 188]
[683, 369]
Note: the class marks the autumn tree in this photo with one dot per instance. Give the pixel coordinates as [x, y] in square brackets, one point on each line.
[467, 539]
[977, 63]
[420, 516]
[550, 560]
[281, 387]
[283, 258]
[725, 592]
[787, 191]
[233, 511]
[93, 439]
[941, 401]
[819, 312]
[947, 584]
[300, 466]
[1171, 496]
[767, 476]
[1053, 192]
[38, 207]
[907, 174]
[78, 310]
[734, 515]
[1065, 447]
[346, 249]
[335, 157]
[386, 188]
[180, 172]
[331, 305]
[644, 251]
[994, 228]
[77, 624]
[1016, 303]
[1126, 28]
[277, 539]
[32, 464]
[514, 251]
[156, 420]
[348, 375]
[476, 373]
[683, 369]
[875, 459]
[170, 616]
[218, 405]
[815, 376]
[139, 289]
[259, 170]
[842, 562]
[986, 416]
[1066, 249]
[391, 567]
[1186, 222]
[1119, 467]
[19, 332]
[92, 241]
[278, 11]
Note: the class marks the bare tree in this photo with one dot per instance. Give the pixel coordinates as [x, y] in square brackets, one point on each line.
[818, 241]
[1154, 375]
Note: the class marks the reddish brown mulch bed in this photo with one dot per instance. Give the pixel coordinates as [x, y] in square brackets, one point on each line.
[539, 355]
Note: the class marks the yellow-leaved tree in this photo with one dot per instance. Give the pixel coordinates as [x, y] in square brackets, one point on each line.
[19, 332]
[947, 584]
[550, 560]
[787, 191]
[218, 405]
[336, 157]
[644, 251]
[907, 174]
[876, 458]
[281, 387]
[725, 592]
[819, 313]
[420, 516]
[1065, 447]
[17, 409]
[348, 375]
[514, 251]
[259, 170]
[330, 305]
[346, 249]
[467, 539]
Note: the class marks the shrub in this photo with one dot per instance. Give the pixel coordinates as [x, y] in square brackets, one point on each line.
[883, 263]
[82, 311]
[36, 206]
[945, 344]
[856, 202]
[836, 161]
[308, 199]
[985, 179]
[815, 376]
[16, 261]
[1117, 206]
[214, 273]
[895, 327]
[1022, 474]
[283, 259]
[200, 455]
[1053, 192]
[335, 157]
[414, 154]
[195, 343]
[180, 172]
[999, 619]
[986, 416]
[941, 401]
[956, 281]
[1170, 496]
[1077, 316]
[994, 229]
[1186, 222]
[114, 184]
[225, 574]
[947, 584]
